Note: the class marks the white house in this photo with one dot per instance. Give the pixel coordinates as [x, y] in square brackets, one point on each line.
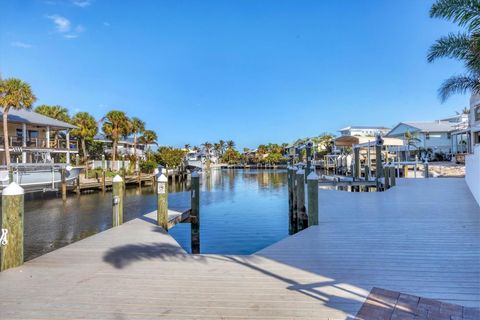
[124, 147]
[363, 131]
[472, 161]
[434, 135]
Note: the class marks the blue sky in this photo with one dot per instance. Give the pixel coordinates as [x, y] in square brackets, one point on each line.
[252, 71]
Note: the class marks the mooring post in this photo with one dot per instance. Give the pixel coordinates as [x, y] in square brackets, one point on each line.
[162, 201]
[308, 149]
[117, 200]
[393, 181]
[426, 168]
[293, 183]
[77, 160]
[104, 182]
[195, 212]
[11, 227]
[312, 187]
[356, 159]
[77, 189]
[290, 199]
[386, 177]
[302, 221]
[378, 161]
[63, 175]
[367, 173]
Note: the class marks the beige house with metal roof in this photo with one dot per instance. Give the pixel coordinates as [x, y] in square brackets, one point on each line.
[35, 138]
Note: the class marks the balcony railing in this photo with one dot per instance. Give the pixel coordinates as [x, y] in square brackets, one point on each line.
[38, 143]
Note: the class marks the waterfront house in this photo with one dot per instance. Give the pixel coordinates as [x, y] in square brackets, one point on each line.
[125, 146]
[434, 135]
[364, 131]
[472, 159]
[35, 138]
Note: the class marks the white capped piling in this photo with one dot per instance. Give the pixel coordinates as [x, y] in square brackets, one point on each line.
[312, 187]
[11, 227]
[117, 200]
[302, 220]
[162, 201]
[195, 212]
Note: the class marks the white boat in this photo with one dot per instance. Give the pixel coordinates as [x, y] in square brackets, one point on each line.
[36, 177]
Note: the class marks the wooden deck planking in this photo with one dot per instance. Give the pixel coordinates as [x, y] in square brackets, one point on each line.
[422, 238]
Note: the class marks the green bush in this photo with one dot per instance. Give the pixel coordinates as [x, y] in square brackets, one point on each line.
[147, 166]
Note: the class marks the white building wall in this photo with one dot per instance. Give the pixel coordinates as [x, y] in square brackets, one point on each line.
[472, 172]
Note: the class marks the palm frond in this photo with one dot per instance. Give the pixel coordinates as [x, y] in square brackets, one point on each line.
[463, 12]
[457, 46]
[459, 84]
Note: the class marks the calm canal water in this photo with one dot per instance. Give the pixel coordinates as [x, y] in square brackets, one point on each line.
[242, 211]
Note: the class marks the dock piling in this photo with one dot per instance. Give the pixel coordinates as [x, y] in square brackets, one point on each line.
[293, 183]
[117, 200]
[11, 227]
[386, 177]
[393, 181]
[162, 201]
[302, 221]
[356, 159]
[426, 169]
[195, 213]
[64, 183]
[312, 187]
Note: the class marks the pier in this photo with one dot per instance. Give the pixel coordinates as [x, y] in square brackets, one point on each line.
[420, 238]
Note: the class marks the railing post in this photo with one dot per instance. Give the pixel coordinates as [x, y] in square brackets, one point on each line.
[11, 227]
[195, 213]
[302, 220]
[117, 201]
[162, 201]
[312, 187]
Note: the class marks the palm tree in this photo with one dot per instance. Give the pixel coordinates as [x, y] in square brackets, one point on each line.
[55, 112]
[230, 145]
[463, 46]
[217, 148]
[411, 140]
[137, 127]
[149, 137]
[115, 125]
[87, 128]
[222, 146]
[16, 94]
[187, 146]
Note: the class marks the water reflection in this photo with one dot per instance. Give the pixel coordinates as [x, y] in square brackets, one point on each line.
[241, 211]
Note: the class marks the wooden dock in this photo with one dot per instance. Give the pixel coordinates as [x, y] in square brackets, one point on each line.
[421, 238]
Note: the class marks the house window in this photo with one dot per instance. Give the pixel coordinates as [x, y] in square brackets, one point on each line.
[427, 136]
[477, 113]
[449, 135]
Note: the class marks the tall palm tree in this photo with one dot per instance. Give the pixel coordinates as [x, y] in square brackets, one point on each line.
[230, 145]
[217, 148]
[222, 146]
[55, 112]
[14, 94]
[138, 127]
[463, 46]
[115, 125]
[148, 138]
[87, 128]
[187, 146]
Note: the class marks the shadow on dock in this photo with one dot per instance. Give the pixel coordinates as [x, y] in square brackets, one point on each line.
[122, 256]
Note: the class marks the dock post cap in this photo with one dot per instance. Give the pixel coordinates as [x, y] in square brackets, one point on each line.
[162, 178]
[13, 189]
[195, 174]
[312, 176]
[300, 171]
[117, 178]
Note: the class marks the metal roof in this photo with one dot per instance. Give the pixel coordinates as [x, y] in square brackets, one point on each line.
[364, 127]
[432, 126]
[32, 117]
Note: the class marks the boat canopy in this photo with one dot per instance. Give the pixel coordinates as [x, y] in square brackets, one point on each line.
[350, 141]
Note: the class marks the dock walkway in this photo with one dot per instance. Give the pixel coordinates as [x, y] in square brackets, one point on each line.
[421, 237]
